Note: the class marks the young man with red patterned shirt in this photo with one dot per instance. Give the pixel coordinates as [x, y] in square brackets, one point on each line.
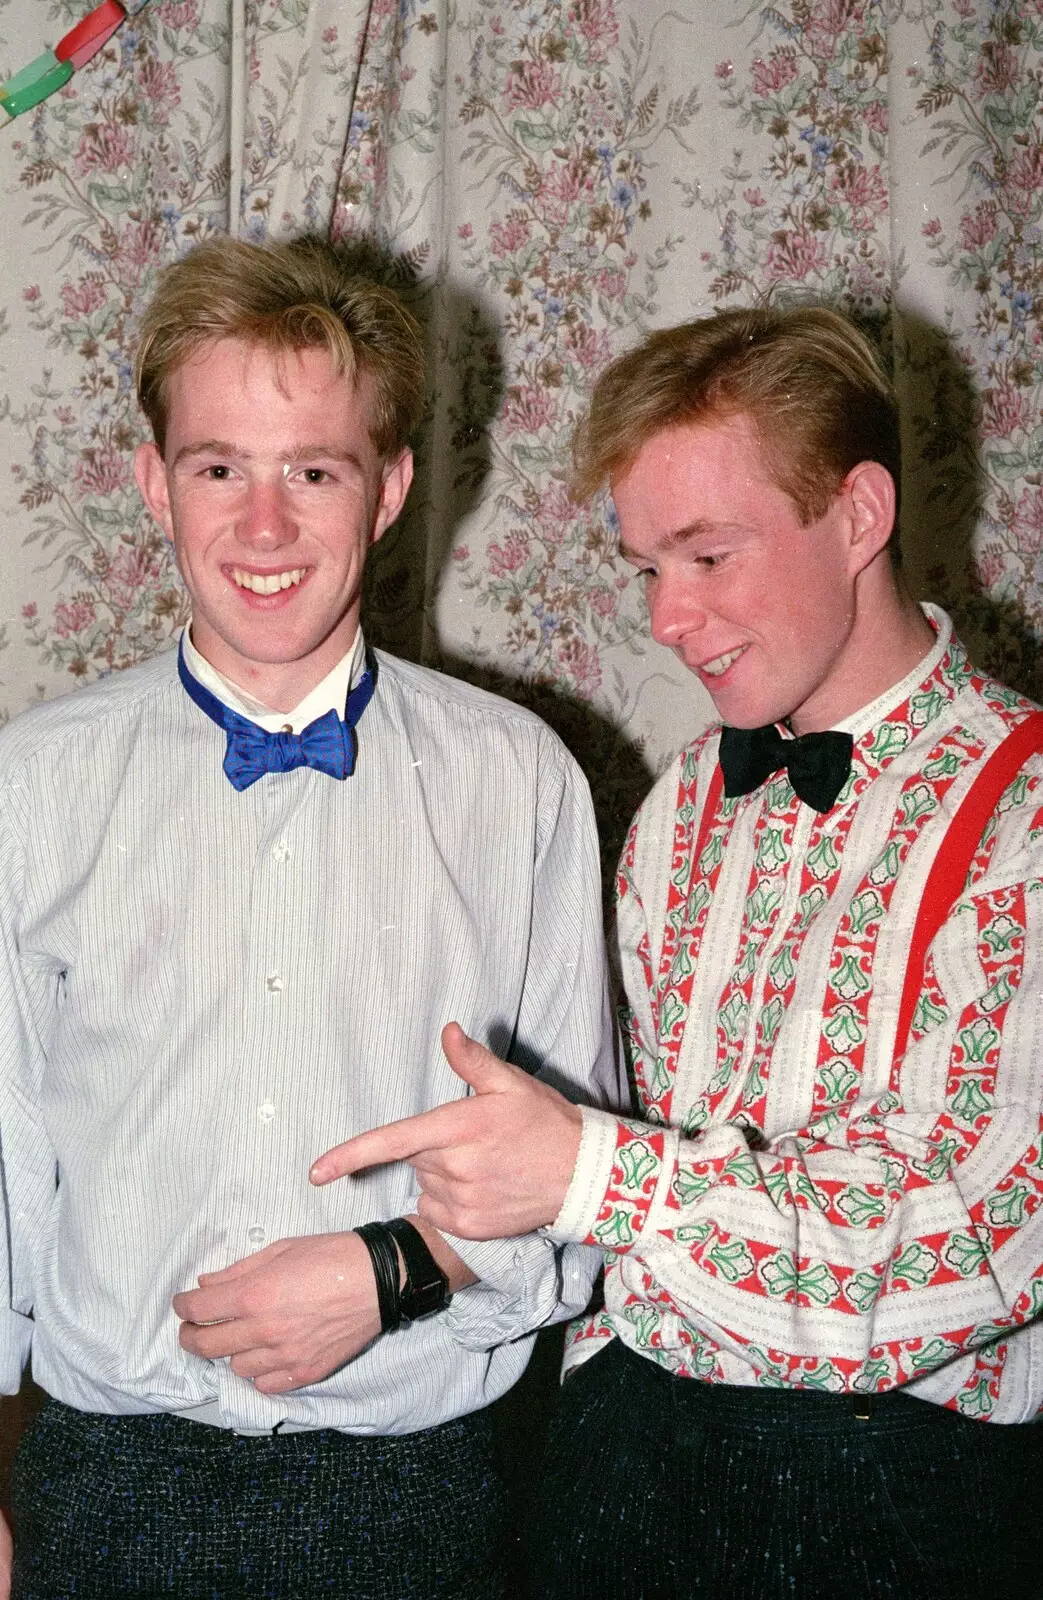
[820, 1360]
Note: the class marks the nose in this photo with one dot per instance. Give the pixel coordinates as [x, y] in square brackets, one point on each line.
[675, 610]
[266, 520]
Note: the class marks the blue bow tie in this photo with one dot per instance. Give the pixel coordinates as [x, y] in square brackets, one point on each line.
[328, 744]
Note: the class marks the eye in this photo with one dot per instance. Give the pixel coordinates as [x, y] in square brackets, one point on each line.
[316, 475]
[218, 473]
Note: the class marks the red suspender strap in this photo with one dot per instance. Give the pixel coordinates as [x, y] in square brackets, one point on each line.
[712, 801]
[948, 875]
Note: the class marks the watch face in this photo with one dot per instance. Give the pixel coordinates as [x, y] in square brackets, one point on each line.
[423, 1299]
[427, 1287]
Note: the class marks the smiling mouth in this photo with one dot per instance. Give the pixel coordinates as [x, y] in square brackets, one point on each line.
[268, 582]
[720, 664]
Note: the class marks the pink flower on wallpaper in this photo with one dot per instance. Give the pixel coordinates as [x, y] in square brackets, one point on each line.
[794, 255]
[329, 35]
[724, 70]
[528, 410]
[1005, 411]
[559, 191]
[139, 247]
[827, 20]
[932, 229]
[462, 552]
[998, 70]
[864, 191]
[604, 602]
[1025, 178]
[611, 284]
[532, 84]
[80, 299]
[160, 87]
[754, 198]
[875, 116]
[29, 611]
[72, 616]
[598, 24]
[103, 148]
[555, 509]
[507, 236]
[978, 227]
[129, 572]
[31, 294]
[591, 348]
[101, 471]
[990, 565]
[179, 14]
[508, 557]
[582, 663]
[774, 74]
[1028, 521]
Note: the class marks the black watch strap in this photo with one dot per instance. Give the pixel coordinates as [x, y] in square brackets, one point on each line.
[427, 1287]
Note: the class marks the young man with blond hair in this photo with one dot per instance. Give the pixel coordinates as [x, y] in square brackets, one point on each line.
[820, 1358]
[244, 887]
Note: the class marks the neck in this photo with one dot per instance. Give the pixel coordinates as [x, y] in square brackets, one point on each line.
[888, 637]
[275, 686]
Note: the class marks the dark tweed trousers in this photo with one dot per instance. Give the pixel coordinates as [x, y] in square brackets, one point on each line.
[155, 1505]
[663, 1488]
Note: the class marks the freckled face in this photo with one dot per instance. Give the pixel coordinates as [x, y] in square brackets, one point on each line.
[272, 491]
[758, 607]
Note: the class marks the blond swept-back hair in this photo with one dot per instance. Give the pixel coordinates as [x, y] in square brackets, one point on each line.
[283, 297]
[811, 384]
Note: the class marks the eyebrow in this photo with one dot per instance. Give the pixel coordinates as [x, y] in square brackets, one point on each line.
[700, 528]
[295, 453]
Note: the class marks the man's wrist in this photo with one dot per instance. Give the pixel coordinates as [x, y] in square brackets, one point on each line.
[386, 1263]
[426, 1289]
[409, 1281]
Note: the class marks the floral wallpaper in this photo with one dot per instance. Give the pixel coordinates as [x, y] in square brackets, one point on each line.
[551, 178]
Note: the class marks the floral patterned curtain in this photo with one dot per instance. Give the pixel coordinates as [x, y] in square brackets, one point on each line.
[553, 177]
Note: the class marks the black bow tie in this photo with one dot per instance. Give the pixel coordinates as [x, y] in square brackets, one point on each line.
[818, 763]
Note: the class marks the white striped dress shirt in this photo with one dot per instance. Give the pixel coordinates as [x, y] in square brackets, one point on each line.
[205, 988]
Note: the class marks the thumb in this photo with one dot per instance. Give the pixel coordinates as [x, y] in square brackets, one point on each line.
[476, 1065]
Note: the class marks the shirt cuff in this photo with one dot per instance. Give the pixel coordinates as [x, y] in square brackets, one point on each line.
[524, 1284]
[585, 1194]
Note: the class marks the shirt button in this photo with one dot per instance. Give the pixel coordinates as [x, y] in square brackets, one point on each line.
[281, 851]
[273, 983]
[287, 727]
[266, 1112]
[256, 1235]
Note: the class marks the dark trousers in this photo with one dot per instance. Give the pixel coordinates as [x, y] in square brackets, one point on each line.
[660, 1488]
[150, 1506]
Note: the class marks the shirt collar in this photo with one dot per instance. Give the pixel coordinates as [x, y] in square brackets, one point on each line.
[329, 695]
[866, 717]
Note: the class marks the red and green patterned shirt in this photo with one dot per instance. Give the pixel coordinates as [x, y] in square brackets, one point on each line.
[793, 1205]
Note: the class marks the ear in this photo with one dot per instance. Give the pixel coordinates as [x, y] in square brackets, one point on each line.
[394, 486]
[871, 497]
[151, 476]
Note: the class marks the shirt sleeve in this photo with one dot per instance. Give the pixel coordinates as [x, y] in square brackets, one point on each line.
[883, 1240]
[565, 1036]
[27, 1162]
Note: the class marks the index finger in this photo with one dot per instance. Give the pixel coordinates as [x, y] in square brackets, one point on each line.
[395, 1141]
